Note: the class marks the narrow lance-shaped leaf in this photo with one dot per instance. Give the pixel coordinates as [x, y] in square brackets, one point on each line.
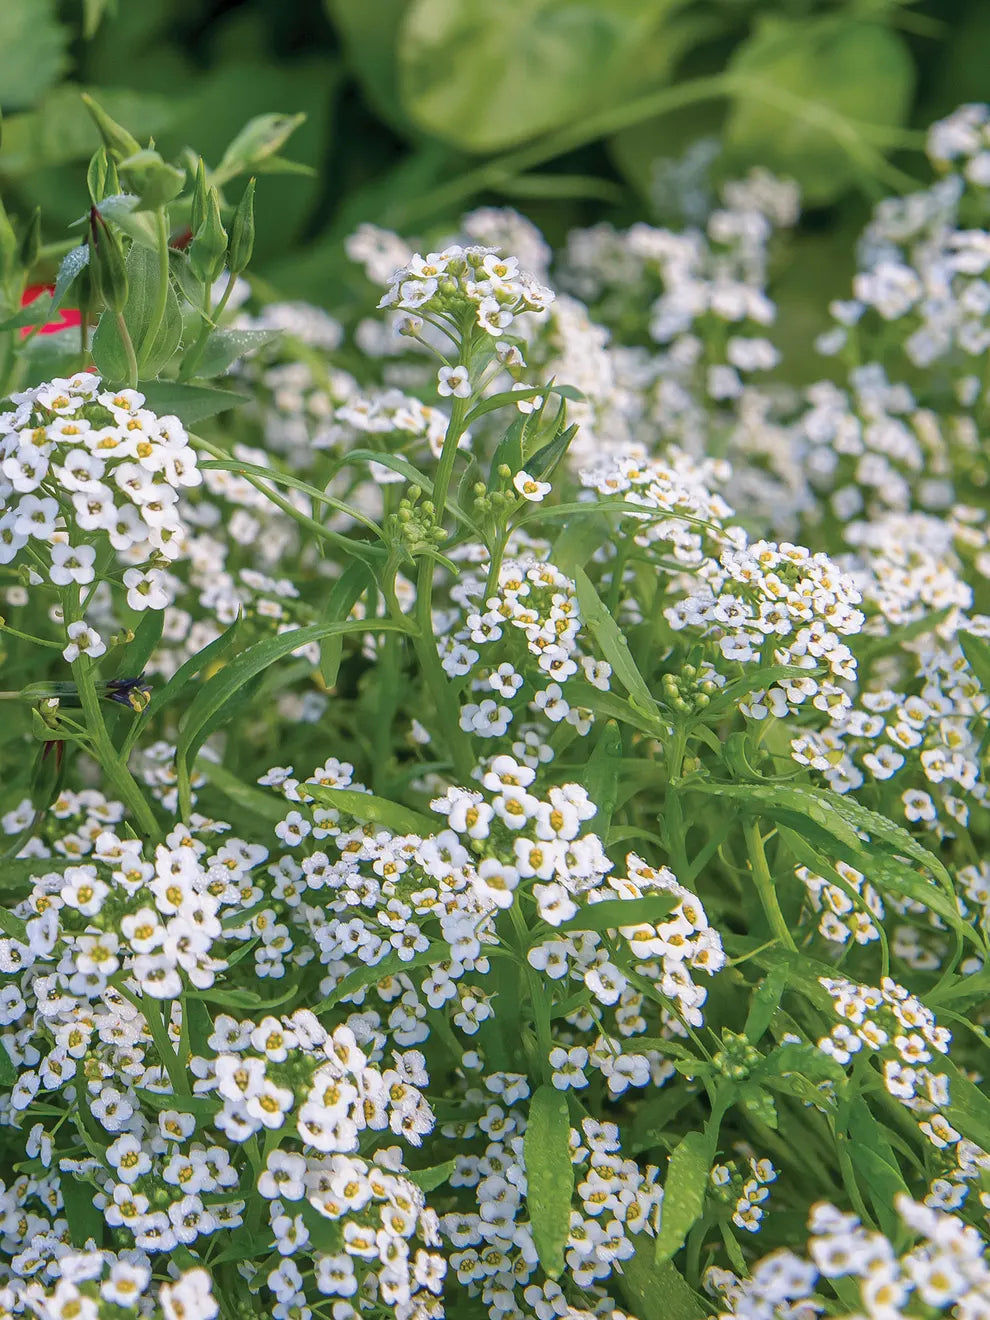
[549, 1176]
[688, 1173]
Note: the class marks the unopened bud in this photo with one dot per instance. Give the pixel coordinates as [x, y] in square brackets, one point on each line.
[242, 232]
[209, 247]
[154, 181]
[114, 135]
[106, 263]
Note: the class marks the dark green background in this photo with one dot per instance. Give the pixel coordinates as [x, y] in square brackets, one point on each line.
[418, 109]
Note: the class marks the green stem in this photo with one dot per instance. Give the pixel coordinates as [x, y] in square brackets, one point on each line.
[764, 885]
[210, 319]
[155, 1018]
[424, 640]
[161, 294]
[103, 749]
[132, 364]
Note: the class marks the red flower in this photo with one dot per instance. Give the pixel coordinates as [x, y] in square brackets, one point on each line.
[68, 316]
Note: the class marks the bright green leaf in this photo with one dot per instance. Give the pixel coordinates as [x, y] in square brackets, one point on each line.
[549, 1176]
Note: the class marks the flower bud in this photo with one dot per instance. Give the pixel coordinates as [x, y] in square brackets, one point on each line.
[101, 176]
[208, 248]
[106, 263]
[114, 135]
[242, 232]
[200, 198]
[154, 181]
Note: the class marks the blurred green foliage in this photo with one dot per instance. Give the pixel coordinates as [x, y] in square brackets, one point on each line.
[573, 111]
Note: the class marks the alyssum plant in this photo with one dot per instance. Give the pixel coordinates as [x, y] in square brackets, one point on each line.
[629, 901]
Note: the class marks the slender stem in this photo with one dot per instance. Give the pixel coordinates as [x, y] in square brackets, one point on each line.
[132, 364]
[161, 294]
[113, 764]
[210, 319]
[764, 885]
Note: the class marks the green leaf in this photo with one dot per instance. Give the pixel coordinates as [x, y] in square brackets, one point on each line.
[84, 1219]
[369, 33]
[977, 653]
[427, 1180]
[612, 642]
[139, 226]
[688, 1173]
[805, 88]
[73, 263]
[345, 593]
[765, 1003]
[139, 316]
[549, 1176]
[969, 1108]
[214, 653]
[8, 1073]
[93, 12]
[218, 691]
[621, 913]
[362, 978]
[486, 77]
[259, 804]
[33, 51]
[379, 811]
[601, 775]
[13, 926]
[136, 654]
[203, 1107]
[655, 1292]
[875, 1164]
[190, 403]
[759, 1103]
[224, 347]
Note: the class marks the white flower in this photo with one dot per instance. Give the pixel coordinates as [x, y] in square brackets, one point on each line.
[146, 590]
[72, 564]
[453, 381]
[83, 640]
[529, 488]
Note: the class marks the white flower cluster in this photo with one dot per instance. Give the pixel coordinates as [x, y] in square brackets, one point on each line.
[494, 1253]
[79, 464]
[945, 1272]
[529, 622]
[902, 1031]
[471, 280]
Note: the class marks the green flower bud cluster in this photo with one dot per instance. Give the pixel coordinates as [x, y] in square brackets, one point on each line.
[738, 1059]
[684, 693]
[413, 528]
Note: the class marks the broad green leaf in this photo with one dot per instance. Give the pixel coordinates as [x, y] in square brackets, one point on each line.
[224, 347]
[190, 403]
[684, 1191]
[803, 1058]
[139, 226]
[366, 807]
[33, 51]
[621, 913]
[804, 87]
[57, 130]
[362, 978]
[549, 1176]
[139, 315]
[612, 642]
[485, 77]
